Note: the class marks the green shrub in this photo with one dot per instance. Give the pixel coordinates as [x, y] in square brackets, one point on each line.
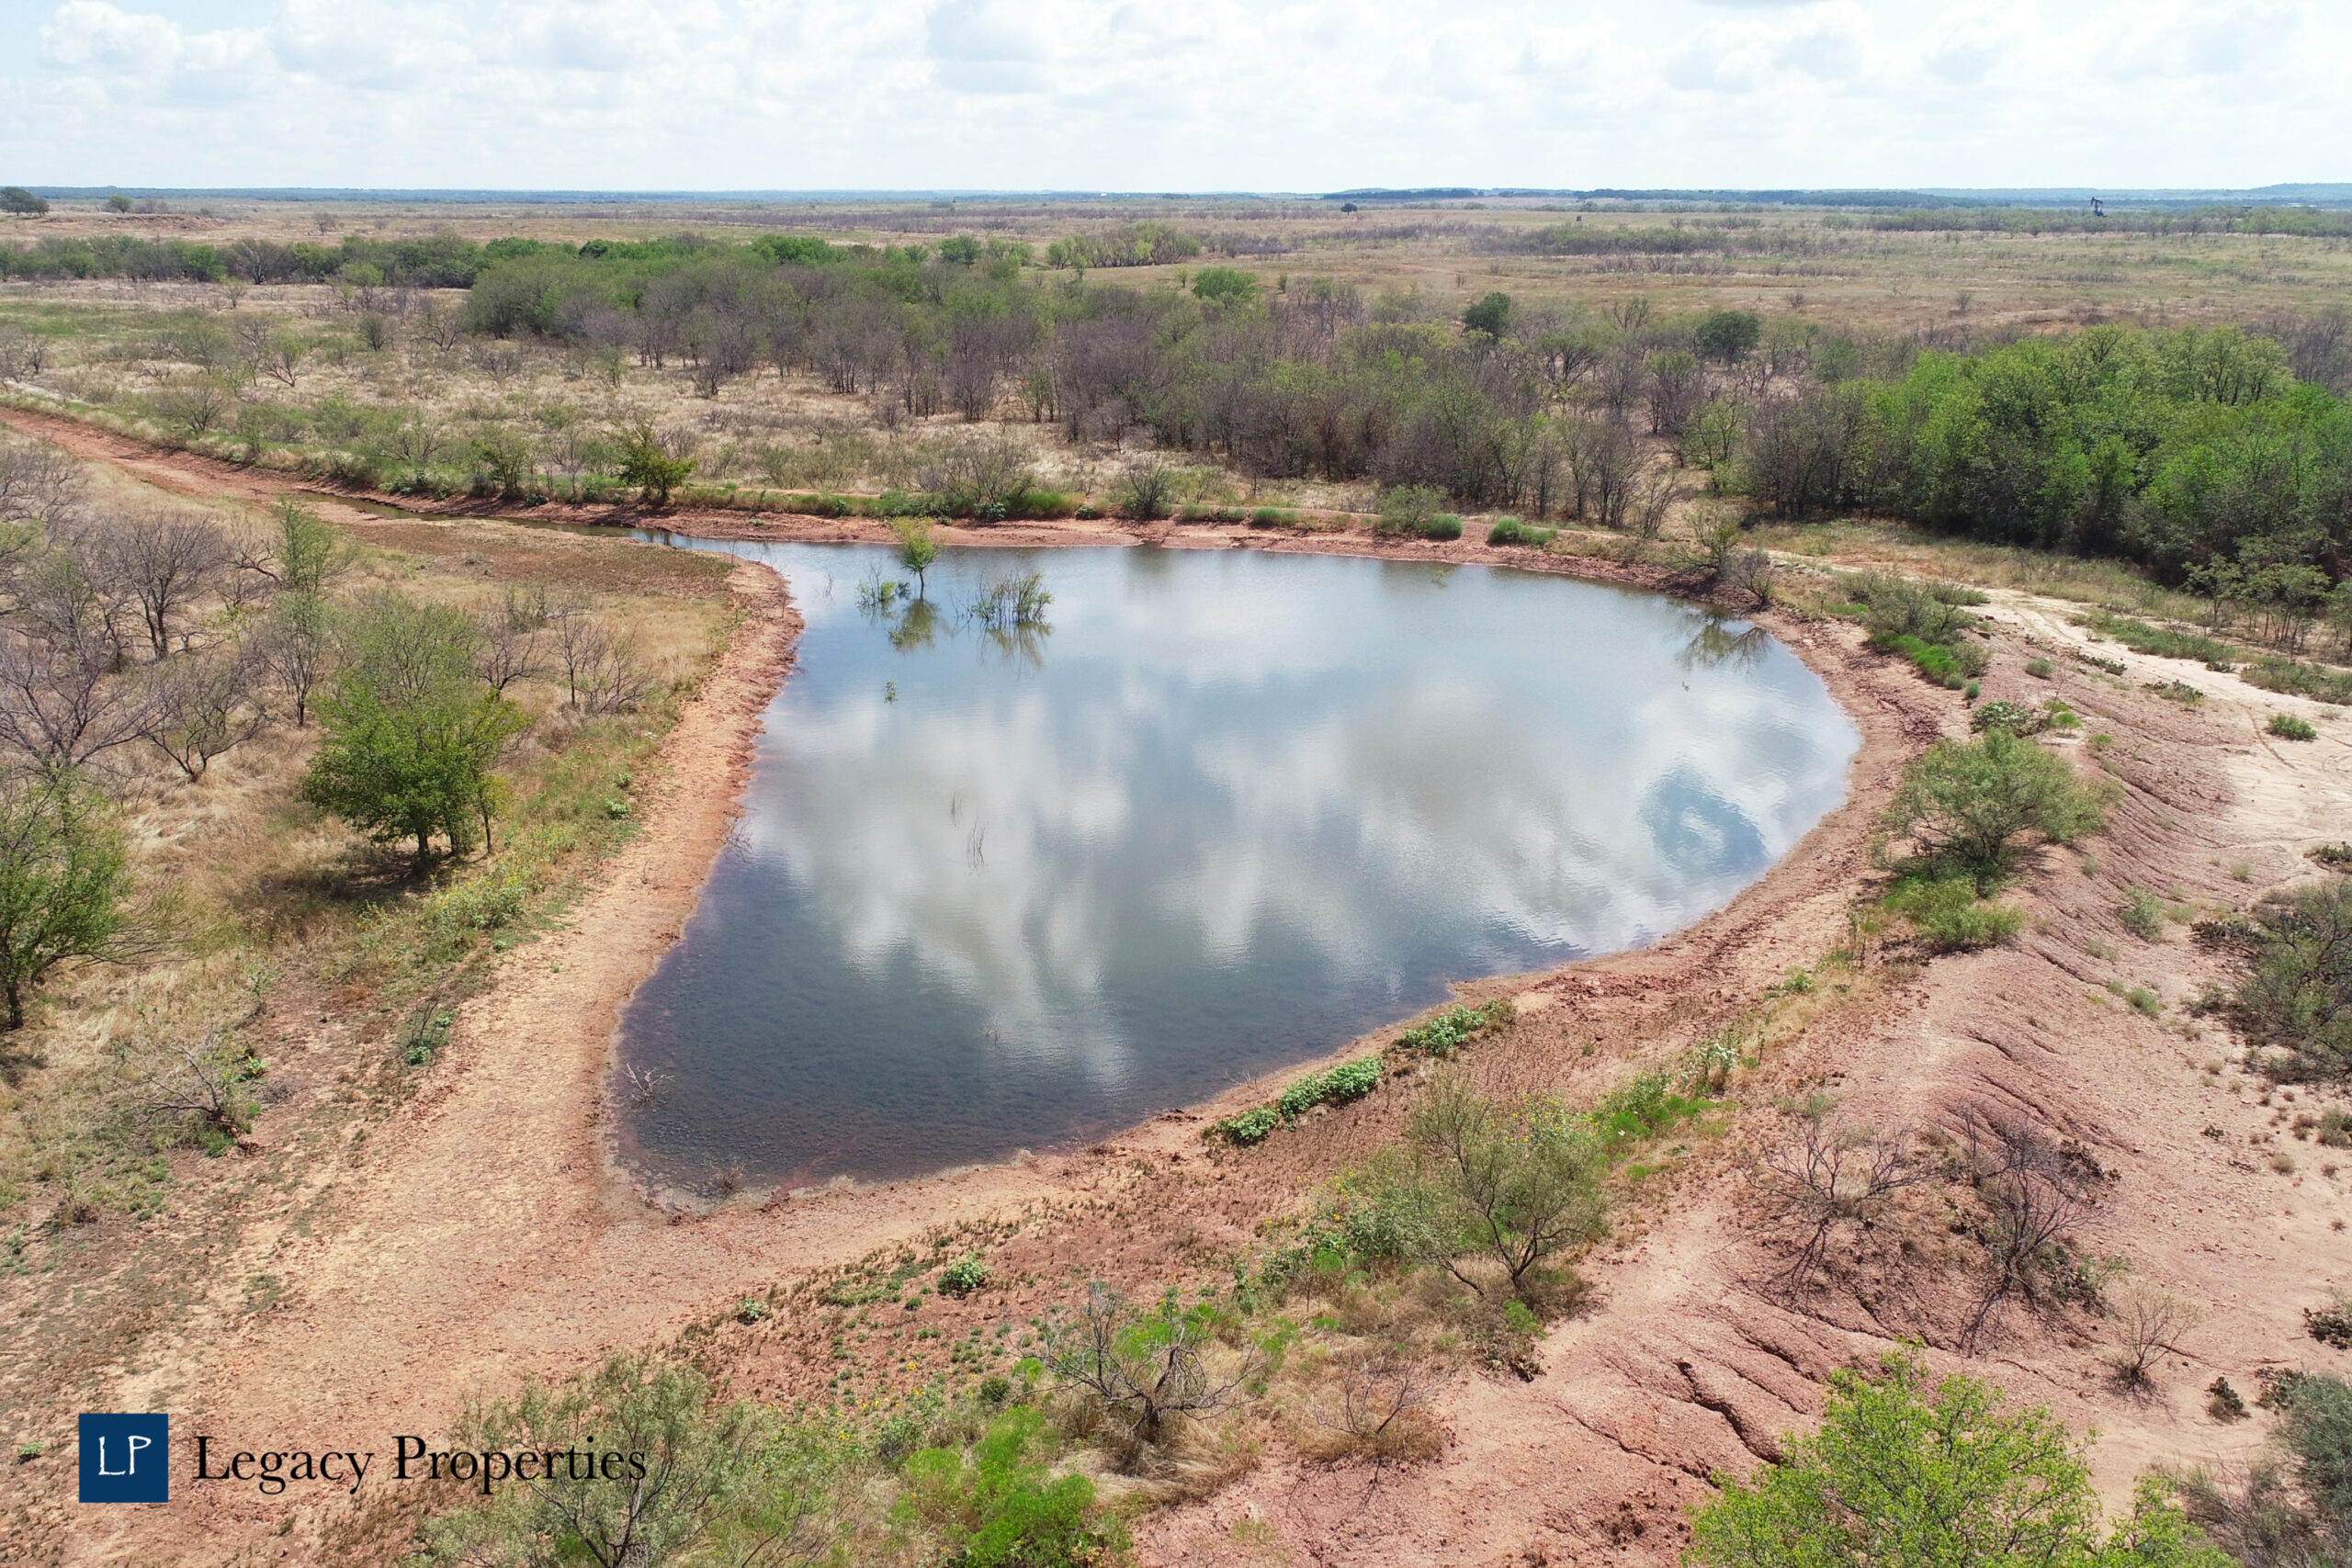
[1517, 1181]
[1456, 1026]
[2299, 680]
[1250, 1127]
[1409, 509]
[2039, 669]
[2142, 914]
[963, 1277]
[1950, 917]
[1001, 1507]
[2297, 1001]
[2180, 691]
[1923, 1472]
[2286, 727]
[1965, 807]
[2014, 717]
[2163, 642]
[1273, 517]
[1511, 531]
[1348, 1082]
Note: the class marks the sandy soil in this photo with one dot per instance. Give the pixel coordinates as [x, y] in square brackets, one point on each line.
[483, 1235]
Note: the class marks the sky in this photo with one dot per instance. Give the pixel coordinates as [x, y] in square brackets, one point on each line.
[1173, 94]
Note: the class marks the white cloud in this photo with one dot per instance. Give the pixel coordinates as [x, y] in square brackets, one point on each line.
[1298, 95]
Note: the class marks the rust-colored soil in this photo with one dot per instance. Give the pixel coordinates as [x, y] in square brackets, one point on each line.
[483, 1235]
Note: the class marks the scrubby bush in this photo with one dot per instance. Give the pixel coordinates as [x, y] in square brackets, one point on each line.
[2297, 1003]
[1966, 808]
[1000, 1506]
[64, 882]
[1511, 531]
[1514, 1182]
[2286, 727]
[1933, 1473]
[1951, 917]
[963, 1277]
[2142, 914]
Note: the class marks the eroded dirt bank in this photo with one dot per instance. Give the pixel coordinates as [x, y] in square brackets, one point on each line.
[481, 1236]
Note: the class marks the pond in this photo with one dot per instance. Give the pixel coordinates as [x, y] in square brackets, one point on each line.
[1008, 887]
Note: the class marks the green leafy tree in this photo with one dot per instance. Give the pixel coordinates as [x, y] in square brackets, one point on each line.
[719, 1485]
[1519, 1183]
[1227, 285]
[310, 554]
[22, 202]
[1969, 807]
[64, 883]
[1912, 1471]
[1490, 315]
[1728, 336]
[917, 548]
[412, 734]
[647, 465]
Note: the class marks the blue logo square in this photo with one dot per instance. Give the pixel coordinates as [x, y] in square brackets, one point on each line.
[126, 1459]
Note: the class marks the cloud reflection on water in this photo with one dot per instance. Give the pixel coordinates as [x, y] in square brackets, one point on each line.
[1223, 779]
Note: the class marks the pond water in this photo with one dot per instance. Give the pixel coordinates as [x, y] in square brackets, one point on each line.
[1224, 811]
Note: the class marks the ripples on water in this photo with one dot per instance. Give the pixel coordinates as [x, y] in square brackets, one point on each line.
[994, 891]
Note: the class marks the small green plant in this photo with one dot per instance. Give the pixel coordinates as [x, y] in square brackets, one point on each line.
[2223, 1402]
[2286, 727]
[2144, 1001]
[1249, 1127]
[1348, 1082]
[425, 1034]
[1455, 1027]
[2180, 691]
[2041, 669]
[2142, 914]
[1951, 917]
[963, 1277]
[750, 1309]
[2014, 717]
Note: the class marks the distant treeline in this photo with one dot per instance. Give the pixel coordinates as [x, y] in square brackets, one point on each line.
[2182, 448]
[450, 261]
[2317, 222]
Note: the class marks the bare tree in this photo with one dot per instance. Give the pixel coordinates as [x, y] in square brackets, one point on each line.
[1377, 1398]
[1830, 1175]
[201, 706]
[2150, 1323]
[39, 483]
[167, 560]
[1145, 1366]
[2034, 1192]
[443, 328]
[59, 706]
[604, 674]
[506, 640]
[295, 647]
[69, 594]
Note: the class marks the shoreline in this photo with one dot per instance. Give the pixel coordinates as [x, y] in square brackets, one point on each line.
[672, 1191]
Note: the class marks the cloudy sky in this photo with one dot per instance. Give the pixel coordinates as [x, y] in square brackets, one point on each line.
[1173, 94]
